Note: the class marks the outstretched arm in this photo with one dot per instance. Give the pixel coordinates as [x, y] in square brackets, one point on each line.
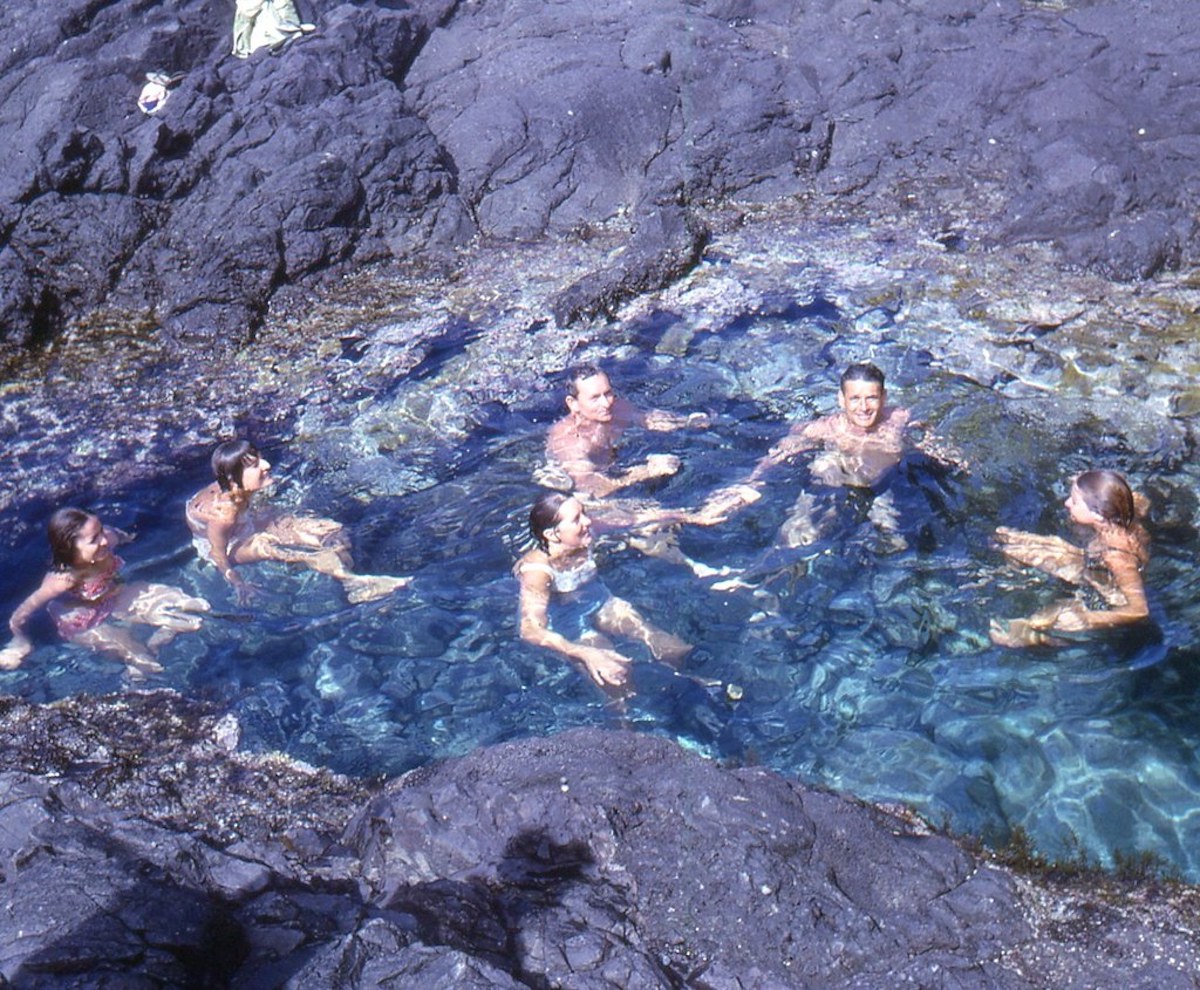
[587, 477]
[664, 422]
[1051, 554]
[572, 452]
[1128, 598]
[724, 502]
[53, 584]
[625, 413]
[942, 451]
[801, 437]
[605, 667]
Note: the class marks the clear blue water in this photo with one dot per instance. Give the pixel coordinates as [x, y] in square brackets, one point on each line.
[863, 666]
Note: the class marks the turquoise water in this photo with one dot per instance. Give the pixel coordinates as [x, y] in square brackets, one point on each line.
[863, 660]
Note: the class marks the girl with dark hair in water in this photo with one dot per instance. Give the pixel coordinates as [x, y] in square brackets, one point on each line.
[83, 592]
[227, 530]
[1111, 564]
[559, 575]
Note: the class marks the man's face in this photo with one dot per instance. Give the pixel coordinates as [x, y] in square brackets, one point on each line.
[594, 401]
[862, 402]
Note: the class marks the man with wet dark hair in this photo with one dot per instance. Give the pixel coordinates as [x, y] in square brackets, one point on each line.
[859, 445]
[865, 435]
[584, 442]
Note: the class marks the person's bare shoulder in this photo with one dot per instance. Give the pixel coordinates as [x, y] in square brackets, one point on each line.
[821, 428]
[562, 442]
[58, 582]
[211, 505]
[533, 570]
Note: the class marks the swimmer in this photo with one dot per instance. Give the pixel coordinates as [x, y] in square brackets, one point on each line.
[584, 442]
[559, 575]
[584, 445]
[860, 445]
[86, 599]
[228, 530]
[1111, 564]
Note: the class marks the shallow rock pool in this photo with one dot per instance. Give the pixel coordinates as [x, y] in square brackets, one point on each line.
[861, 661]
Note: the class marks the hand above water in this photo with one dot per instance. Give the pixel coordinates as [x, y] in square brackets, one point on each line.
[662, 465]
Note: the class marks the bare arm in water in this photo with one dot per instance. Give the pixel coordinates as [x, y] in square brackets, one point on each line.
[606, 667]
[584, 455]
[801, 437]
[54, 584]
[1126, 591]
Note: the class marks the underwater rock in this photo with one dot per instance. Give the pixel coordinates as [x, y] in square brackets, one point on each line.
[136, 850]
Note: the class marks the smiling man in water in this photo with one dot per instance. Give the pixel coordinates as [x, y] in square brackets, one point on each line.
[863, 440]
[860, 444]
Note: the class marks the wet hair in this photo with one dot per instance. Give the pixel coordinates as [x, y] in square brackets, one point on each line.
[545, 515]
[62, 532]
[578, 374]
[1108, 495]
[862, 371]
[230, 459]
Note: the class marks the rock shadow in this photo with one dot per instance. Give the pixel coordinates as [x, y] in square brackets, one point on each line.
[486, 916]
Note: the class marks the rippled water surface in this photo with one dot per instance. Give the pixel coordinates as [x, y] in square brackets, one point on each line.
[863, 660]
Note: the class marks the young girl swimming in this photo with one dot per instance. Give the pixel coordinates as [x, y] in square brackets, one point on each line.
[1111, 564]
[228, 530]
[559, 573]
[83, 592]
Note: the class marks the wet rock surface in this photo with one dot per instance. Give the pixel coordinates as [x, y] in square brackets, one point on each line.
[149, 852]
[402, 132]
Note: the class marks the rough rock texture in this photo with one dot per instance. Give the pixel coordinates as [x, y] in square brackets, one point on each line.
[146, 853]
[404, 130]
[255, 174]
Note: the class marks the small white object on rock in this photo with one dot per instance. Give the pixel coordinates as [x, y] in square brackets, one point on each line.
[227, 733]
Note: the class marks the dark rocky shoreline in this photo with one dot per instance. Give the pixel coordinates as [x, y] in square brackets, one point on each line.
[404, 132]
[140, 849]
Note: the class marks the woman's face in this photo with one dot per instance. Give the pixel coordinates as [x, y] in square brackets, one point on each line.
[91, 545]
[256, 474]
[573, 529]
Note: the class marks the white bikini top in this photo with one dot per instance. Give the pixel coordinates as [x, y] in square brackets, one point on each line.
[571, 579]
[574, 578]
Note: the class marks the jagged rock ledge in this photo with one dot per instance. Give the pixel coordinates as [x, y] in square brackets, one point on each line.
[138, 848]
[406, 131]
